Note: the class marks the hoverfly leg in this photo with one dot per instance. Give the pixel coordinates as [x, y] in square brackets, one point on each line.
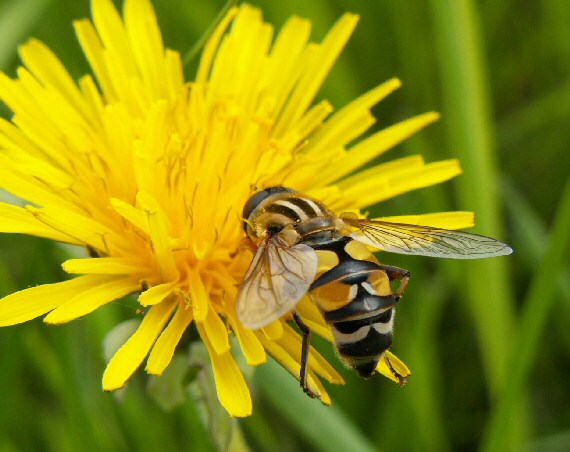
[144, 285]
[93, 252]
[401, 379]
[306, 331]
[397, 273]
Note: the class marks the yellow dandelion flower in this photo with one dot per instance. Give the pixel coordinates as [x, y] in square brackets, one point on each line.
[151, 173]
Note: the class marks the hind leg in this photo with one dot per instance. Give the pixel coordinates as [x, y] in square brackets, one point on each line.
[306, 331]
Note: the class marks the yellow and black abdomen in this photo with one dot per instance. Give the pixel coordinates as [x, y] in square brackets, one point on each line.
[354, 295]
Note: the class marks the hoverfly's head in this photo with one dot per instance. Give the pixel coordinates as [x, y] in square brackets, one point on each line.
[255, 201]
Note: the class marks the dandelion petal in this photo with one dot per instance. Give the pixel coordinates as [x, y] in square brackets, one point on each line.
[156, 294]
[103, 266]
[129, 357]
[249, 343]
[163, 349]
[217, 332]
[445, 220]
[14, 219]
[199, 297]
[274, 330]
[91, 299]
[397, 365]
[30, 303]
[232, 390]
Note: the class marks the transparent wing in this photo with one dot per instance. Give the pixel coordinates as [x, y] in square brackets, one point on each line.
[424, 240]
[278, 277]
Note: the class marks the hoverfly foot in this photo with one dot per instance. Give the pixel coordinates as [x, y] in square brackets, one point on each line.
[310, 393]
[402, 381]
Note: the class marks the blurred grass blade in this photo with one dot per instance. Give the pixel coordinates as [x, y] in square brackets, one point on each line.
[7, 283]
[468, 121]
[530, 232]
[535, 116]
[533, 234]
[197, 47]
[326, 428]
[17, 18]
[538, 303]
[555, 442]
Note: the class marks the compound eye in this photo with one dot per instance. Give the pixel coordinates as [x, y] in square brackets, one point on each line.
[253, 202]
[257, 198]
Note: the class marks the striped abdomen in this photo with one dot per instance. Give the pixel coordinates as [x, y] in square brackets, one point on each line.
[354, 295]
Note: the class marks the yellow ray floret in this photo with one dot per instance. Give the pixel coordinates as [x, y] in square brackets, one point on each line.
[129, 357]
[92, 299]
[35, 301]
[163, 350]
[230, 384]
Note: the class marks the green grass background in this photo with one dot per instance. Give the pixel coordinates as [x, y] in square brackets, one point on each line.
[488, 342]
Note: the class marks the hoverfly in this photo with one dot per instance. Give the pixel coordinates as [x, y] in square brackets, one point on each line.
[303, 247]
